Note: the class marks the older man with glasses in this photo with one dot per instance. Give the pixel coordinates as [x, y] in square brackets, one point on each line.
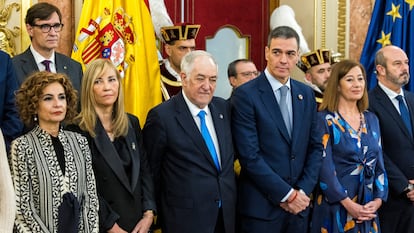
[44, 24]
[240, 71]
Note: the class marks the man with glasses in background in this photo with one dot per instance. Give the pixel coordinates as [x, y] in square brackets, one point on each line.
[240, 71]
[44, 24]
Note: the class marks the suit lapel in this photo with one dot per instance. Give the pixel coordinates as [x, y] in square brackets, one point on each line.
[298, 108]
[219, 126]
[269, 101]
[385, 102]
[410, 104]
[184, 117]
[60, 66]
[108, 151]
[28, 63]
[133, 150]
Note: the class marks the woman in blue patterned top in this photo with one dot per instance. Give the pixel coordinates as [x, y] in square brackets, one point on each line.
[352, 182]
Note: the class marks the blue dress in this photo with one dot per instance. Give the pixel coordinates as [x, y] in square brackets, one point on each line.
[353, 167]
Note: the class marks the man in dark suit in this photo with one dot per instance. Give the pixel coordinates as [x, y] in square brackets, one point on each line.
[10, 123]
[43, 24]
[397, 214]
[194, 178]
[239, 72]
[280, 155]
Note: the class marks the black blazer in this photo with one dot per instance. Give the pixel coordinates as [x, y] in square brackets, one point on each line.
[125, 197]
[397, 144]
[25, 64]
[187, 183]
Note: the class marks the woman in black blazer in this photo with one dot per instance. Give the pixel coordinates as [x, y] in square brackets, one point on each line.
[124, 180]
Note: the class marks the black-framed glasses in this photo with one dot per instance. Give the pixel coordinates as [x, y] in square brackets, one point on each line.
[250, 73]
[47, 27]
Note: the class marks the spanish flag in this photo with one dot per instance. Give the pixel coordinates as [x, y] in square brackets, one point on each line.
[122, 30]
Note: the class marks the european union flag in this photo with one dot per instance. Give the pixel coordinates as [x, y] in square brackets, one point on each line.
[392, 22]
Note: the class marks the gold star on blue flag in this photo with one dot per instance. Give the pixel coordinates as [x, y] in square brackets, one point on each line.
[394, 12]
[391, 22]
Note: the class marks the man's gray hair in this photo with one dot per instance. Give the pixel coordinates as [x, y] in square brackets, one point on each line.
[188, 60]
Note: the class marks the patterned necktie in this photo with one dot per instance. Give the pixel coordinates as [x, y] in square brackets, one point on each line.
[405, 115]
[284, 108]
[207, 138]
[46, 63]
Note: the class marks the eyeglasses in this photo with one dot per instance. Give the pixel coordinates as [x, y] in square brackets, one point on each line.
[45, 28]
[250, 73]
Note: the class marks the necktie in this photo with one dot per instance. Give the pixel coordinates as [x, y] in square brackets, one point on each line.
[284, 108]
[405, 115]
[207, 138]
[46, 63]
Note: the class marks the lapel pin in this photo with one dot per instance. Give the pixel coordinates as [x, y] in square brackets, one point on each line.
[300, 97]
[221, 116]
[133, 146]
[65, 67]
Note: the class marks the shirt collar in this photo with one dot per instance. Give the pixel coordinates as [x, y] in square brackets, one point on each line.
[390, 93]
[39, 58]
[193, 108]
[274, 82]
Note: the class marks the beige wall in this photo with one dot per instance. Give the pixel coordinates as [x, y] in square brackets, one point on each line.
[309, 16]
[347, 38]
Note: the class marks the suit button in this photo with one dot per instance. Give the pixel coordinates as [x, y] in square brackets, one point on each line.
[218, 201]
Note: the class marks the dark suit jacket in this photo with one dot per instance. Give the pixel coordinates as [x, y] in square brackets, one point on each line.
[272, 162]
[126, 197]
[9, 118]
[188, 185]
[397, 144]
[25, 64]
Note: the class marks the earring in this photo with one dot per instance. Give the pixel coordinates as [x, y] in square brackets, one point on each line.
[35, 118]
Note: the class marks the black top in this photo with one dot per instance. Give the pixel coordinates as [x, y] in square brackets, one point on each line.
[121, 147]
[60, 153]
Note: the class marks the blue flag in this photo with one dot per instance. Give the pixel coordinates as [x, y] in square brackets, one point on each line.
[392, 22]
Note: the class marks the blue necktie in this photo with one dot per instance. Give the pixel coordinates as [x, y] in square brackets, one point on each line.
[284, 108]
[207, 138]
[405, 115]
[46, 63]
